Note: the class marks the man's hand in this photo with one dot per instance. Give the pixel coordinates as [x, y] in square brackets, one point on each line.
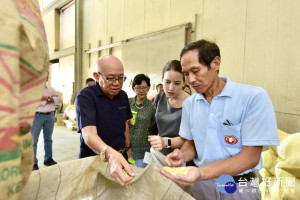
[194, 174]
[157, 142]
[118, 165]
[175, 159]
[49, 99]
[45, 98]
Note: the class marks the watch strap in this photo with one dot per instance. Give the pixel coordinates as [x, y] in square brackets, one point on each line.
[127, 148]
[168, 142]
[102, 153]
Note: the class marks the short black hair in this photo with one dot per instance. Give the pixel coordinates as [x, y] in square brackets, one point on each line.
[173, 65]
[158, 85]
[207, 51]
[186, 85]
[138, 79]
[88, 80]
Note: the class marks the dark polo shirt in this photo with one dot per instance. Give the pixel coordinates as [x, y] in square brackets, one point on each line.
[93, 108]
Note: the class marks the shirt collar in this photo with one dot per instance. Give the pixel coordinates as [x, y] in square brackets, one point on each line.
[98, 89]
[226, 92]
[134, 102]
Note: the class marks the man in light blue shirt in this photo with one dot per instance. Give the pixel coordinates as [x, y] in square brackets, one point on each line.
[226, 125]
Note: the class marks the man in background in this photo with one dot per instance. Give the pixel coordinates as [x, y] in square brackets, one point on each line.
[44, 119]
[89, 81]
[159, 89]
[102, 111]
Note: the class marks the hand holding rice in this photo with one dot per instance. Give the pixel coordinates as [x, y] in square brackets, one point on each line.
[177, 170]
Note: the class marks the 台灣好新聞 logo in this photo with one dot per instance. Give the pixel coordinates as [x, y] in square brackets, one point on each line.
[226, 184]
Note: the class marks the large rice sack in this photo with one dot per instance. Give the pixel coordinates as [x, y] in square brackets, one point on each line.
[268, 188]
[269, 162]
[288, 185]
[23, 71]
[89, 178]
[274, 149]
[289, 154]
[270, 157]
[264, 173]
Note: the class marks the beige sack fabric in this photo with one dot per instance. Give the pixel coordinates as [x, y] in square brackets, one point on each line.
[281, 169]
[89, 178]
[158, 158]
[289, 154]
[23, 70]
[282, 186]
[270, 157]
[269, 162]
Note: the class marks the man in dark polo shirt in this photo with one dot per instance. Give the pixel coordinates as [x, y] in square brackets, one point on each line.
[102, 111]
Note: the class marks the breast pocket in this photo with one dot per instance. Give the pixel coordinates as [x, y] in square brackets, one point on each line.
[123, 111]
[232, 136]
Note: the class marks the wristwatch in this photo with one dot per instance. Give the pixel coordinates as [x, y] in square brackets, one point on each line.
[127, 148]
[49, 99]
[102, 153]
[168, 142]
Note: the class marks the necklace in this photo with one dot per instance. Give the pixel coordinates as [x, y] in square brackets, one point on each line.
[138, 106]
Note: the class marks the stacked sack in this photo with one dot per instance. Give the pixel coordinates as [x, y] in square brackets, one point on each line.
[281, 169]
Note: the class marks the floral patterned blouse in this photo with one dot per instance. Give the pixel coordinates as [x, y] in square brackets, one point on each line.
[139, 132]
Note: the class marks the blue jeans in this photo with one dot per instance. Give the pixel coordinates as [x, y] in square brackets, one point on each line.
[139, 163]
[47, 123]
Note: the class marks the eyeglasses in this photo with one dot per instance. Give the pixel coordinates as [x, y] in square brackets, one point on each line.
[111, 80]
[141, 88]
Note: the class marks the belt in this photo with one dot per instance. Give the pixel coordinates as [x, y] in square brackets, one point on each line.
[244, 177]
[44, 113]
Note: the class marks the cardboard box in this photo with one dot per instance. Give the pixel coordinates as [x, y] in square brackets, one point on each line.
[60, 120]
[70, 125]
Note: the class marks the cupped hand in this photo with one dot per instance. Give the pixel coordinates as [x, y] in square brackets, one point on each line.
[194, 174]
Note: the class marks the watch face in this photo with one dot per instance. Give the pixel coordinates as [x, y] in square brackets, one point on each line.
[102, 157]
[102, 153]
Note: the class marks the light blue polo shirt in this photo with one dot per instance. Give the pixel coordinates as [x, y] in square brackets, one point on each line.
[240, 115]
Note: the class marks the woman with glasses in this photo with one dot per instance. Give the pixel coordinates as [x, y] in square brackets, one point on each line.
[145, 116]
[168, 112]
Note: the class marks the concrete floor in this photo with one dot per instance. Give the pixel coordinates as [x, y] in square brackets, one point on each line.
[65, 145]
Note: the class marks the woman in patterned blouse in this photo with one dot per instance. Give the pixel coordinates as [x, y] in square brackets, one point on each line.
[144, 118]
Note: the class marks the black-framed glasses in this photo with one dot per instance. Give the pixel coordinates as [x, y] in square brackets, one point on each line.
[141, 88]
[111, 80]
